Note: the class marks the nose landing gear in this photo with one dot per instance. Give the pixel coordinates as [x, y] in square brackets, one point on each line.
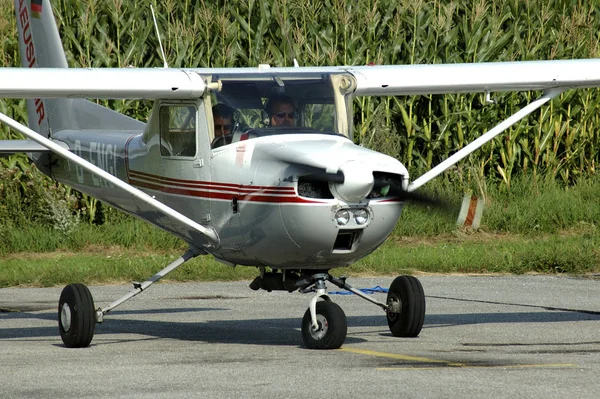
[331, 328]
[324, 324]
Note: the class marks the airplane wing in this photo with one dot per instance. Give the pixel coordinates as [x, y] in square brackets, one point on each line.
[477, 77]
[377, 80]
[101, 83]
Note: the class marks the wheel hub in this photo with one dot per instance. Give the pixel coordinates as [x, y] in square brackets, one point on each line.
[65, 317]
[394, 307]
[321, 331]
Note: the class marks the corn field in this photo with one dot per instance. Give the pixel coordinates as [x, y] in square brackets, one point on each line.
[557, 142]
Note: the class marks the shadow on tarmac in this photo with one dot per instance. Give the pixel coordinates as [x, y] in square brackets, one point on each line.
[275, 331]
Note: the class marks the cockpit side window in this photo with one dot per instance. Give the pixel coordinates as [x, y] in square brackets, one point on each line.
[178, 130]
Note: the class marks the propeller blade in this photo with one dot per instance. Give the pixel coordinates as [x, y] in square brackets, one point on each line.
[391, 185]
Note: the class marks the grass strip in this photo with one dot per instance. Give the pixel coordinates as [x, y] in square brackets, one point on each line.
[515, 254]
[569, 253]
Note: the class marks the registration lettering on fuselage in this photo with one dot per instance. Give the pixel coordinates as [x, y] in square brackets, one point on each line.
[102, 155]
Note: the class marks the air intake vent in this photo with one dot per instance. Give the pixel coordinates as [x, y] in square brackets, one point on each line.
[313, 187]
[383, 183]
[345, 240]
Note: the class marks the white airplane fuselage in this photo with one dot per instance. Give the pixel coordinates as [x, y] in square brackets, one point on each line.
[246, 192]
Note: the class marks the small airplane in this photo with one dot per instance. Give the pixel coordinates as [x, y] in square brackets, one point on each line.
[294, 201]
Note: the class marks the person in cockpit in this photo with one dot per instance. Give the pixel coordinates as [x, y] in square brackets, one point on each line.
[223, 123]
[281, 111]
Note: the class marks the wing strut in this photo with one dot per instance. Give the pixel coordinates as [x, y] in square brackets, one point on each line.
[197, 233]
[475, 144]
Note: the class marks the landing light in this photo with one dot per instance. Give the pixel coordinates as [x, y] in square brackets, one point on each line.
[342, 217]
[361, 216]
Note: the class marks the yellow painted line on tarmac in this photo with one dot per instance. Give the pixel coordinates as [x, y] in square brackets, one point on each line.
[445, 362]
[401, 357]
[484, 366]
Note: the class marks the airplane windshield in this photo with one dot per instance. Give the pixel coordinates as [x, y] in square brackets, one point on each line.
[274, 103]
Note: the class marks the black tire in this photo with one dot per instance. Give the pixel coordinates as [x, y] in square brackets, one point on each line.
[332, 330]
[408, 291]
[76, 316]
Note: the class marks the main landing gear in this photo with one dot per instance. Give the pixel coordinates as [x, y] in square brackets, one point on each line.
[324, 324]
[77, 316]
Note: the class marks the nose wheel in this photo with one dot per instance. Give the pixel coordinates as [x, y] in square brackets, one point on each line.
[331, 327]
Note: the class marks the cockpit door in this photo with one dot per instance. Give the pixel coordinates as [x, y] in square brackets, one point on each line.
[185, 150]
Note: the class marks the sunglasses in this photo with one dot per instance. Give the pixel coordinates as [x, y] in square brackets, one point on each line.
[225, 127]
[281, 115]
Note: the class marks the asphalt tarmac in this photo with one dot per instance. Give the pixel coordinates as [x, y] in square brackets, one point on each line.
[484, 337]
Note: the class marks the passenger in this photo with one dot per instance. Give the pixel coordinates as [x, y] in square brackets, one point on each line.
[223, 121]
[281, 111]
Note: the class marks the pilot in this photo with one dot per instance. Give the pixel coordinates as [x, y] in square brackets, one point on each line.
[223, 121]
[281, 111]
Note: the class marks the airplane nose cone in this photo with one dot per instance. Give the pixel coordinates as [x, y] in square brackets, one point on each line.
[358, 182]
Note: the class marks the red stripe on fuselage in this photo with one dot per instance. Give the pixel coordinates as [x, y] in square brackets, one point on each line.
[141, 176]
[251, 197]
[226, 191]
[215, 190]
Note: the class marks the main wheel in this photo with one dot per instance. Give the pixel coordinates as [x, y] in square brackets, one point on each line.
[332, 330]
[76, 316]
[406, 302]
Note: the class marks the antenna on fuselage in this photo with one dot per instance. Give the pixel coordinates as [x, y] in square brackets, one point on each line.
[165, 65]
